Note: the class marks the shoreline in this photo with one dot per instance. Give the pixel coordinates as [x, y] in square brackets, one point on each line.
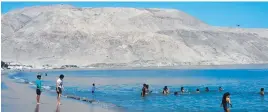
[23, 97]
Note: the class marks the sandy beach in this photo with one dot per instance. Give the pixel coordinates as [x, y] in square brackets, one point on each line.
[20, 98]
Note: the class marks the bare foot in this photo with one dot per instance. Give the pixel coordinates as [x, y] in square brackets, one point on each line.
[38, 103]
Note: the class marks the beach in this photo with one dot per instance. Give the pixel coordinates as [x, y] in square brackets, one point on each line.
[20, 98]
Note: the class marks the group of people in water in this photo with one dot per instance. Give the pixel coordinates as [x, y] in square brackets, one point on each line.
[226, 101]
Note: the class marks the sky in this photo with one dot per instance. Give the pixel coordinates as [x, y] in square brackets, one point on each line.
[227, 14]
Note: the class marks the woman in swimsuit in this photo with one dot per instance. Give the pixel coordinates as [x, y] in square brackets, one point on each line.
[226, 102]
[165, 90]
[143, 91]
[182, 89]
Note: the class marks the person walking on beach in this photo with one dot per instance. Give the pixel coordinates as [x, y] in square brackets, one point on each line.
[165, 90]
[38, 83]
[226, 102]
[262, 91]
[93, 88]
[59, 87]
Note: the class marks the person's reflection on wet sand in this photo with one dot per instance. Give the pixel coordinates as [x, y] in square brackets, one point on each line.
[58, 108]
[36, 108]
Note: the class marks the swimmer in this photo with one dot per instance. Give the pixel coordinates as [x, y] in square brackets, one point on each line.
[207, 90]
[143, 90]
[226, 102]
[220, 89]
[197, 90]
[165, 90]
[182, 89]
[93, 88]
[262, 91]
[176, 93]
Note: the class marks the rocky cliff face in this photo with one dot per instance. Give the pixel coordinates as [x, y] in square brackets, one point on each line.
[62, 34]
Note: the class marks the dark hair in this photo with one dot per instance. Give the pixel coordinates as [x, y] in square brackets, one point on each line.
[61, 76]
[224, 98]
[165, 88]
[262, 89]
[207, 89]
[147, 86]
[93, 84]
[144, 85]
[197, 89]
[182, 88]
[176, 93]
[38, 76]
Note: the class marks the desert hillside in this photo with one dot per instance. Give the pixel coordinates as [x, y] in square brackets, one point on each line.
[63, 34]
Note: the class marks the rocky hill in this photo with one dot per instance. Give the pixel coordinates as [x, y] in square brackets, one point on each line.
[63, 34]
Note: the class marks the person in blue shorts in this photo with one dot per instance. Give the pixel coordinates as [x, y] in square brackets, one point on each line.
[38, 83]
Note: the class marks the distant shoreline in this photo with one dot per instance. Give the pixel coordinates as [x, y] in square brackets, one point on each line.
[184, 67]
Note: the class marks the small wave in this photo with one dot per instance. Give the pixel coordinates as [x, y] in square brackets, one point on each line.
[47, 87]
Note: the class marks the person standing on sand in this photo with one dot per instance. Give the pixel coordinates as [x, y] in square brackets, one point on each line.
[226, 102]
[38, 83]
[93, 88]
[59, 87]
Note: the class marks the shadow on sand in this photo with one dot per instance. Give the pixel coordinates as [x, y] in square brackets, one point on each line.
[58, 108]
[36, 108]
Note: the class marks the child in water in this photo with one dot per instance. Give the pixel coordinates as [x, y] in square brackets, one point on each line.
[220, 89]
[93, 88]
[262, 91]
[207, 90]
[197, 90]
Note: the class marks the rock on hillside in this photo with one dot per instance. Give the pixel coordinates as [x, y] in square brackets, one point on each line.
[63, 34]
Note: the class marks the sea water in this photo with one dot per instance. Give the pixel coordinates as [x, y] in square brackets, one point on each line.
[122, 88]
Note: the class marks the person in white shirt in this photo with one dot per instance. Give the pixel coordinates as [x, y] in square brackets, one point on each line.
[59, 87]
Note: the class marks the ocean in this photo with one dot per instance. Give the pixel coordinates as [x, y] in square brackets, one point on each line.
[121, 89]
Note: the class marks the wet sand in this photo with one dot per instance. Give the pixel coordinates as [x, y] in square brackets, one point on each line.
[21, 98]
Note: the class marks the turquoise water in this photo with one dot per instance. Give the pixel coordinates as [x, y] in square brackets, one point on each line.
[121, 88]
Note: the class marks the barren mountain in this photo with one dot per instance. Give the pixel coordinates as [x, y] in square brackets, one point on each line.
[63, 34]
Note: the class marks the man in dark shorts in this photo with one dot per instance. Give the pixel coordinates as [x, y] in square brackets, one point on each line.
[38, 83]
[59, 87]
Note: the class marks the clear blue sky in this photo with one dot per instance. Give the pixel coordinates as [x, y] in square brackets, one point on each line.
[246, 14]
